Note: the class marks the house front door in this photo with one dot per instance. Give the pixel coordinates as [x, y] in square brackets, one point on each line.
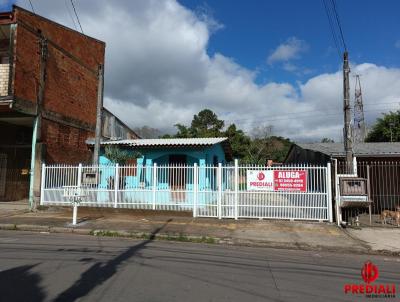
[177, 177]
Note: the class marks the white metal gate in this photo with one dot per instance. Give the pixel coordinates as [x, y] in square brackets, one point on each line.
[207, 191]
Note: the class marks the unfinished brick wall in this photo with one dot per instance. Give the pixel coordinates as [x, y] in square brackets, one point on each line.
[71, 70]
[65, 144]
[4, 75]
[70, 93]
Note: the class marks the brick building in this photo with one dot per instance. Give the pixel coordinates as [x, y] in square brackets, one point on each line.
[48, 99]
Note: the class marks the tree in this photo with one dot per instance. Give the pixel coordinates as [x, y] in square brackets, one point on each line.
[265, 146]
[255, 150]
[238, 140]
[118, 156]
[204, 124]
[327, 140]
[386, 128]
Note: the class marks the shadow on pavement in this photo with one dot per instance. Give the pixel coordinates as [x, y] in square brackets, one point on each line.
[97, 274]
[19, 284]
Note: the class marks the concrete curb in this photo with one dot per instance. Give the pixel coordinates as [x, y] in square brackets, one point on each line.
[179, 237]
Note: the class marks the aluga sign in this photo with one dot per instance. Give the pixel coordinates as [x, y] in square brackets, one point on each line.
[277, 180]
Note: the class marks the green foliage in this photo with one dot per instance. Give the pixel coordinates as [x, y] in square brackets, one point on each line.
[327, 140]
[386, 129]
[261, 150]
[238, 140]
[204, 124]
[119, 156]
[258, 150]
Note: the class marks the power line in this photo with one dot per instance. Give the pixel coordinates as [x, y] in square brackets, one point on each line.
[332, 29]
[296, 117]
[70, 15]
[338, 23]
[76, 14]
[80, 25]
[33, 10]
[311, 111]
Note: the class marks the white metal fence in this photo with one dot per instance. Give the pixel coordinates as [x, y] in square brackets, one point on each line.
[206, 191]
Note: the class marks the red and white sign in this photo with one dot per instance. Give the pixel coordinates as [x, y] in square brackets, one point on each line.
[258, 180]
[290, 180]
[277, 180]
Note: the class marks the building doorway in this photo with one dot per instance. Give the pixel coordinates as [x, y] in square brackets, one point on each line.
[177, 177]
[15, 158]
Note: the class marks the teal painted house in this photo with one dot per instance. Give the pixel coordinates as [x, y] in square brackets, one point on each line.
[168, 166]
[176, 151]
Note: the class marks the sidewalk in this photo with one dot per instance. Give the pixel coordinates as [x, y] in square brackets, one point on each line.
[183, 227]
[378, 239]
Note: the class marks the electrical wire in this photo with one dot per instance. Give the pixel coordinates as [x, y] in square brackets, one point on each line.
[33, 10]
[338, 23]
[326, 113]
[332, 29]
[317, 110]
[80, 25]
[76, 14]
[70, 15]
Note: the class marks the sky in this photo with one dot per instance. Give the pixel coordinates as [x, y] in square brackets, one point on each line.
[255, 63]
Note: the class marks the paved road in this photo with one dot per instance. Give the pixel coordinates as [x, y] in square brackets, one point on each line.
[66, 267]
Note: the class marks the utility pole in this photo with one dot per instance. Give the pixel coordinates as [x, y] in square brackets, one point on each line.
[348, 144]
[37, 145]
[359, 129]
[100, 90]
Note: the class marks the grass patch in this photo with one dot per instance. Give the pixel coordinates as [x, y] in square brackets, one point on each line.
[103, 233]
[147, 236]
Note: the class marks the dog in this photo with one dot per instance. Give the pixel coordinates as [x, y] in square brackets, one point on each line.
[393, 215]
[397, 218]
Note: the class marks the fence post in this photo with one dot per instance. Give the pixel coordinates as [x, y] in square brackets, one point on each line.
[337, 197]
[195, 189]
[154, 185]
[42, 184]
[355, 172]
[236, 189]
[75, 208]
[116, 185]
[79, 182]
[329, 191]
[219, 200]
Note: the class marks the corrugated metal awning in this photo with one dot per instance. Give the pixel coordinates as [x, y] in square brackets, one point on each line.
[208, 141]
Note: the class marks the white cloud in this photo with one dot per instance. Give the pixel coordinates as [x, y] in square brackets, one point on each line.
[397, 44]
[158, 73]
[289, 67]
[289, 50]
